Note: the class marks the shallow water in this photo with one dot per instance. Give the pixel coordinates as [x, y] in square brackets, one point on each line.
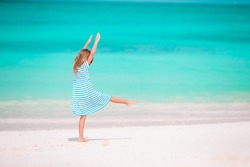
[163, 53]
[148, 51]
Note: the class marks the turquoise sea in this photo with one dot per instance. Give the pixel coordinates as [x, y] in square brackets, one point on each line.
[158, 52]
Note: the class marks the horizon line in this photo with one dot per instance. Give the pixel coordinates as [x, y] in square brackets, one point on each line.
[226, 2]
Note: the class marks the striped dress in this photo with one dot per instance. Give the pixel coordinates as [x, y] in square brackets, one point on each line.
[85, 99]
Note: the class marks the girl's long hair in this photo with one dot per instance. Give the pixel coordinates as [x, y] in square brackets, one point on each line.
[80, 59]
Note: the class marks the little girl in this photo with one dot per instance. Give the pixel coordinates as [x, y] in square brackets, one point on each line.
[85, 99]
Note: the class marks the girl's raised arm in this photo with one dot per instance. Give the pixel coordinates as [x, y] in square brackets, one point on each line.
[93, 50]
[87, 43]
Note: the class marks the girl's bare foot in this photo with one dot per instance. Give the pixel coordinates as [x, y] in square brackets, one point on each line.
[82, 140]
[129, 102]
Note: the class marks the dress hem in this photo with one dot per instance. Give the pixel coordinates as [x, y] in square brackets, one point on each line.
[96, 110]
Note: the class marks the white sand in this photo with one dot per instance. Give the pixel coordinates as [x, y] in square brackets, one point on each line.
[207, 145]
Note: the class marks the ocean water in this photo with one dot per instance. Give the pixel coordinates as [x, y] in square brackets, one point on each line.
[157, 52]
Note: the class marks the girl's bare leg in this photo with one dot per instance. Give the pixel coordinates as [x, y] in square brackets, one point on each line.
[81, 129]
[121, 101]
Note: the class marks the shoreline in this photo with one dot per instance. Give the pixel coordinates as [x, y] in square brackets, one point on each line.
[37, 115]
[92, 123]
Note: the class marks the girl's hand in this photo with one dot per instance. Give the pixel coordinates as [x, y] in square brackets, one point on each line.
[98, 36]
[90, 38]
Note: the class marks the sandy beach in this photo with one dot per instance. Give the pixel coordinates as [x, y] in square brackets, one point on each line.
[206, 145]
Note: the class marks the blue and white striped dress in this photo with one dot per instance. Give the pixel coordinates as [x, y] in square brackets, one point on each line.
[85, 99]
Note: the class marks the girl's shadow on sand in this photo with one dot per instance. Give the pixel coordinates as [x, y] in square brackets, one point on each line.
[96, 139]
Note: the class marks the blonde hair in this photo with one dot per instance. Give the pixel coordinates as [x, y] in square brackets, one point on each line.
[80, 59]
